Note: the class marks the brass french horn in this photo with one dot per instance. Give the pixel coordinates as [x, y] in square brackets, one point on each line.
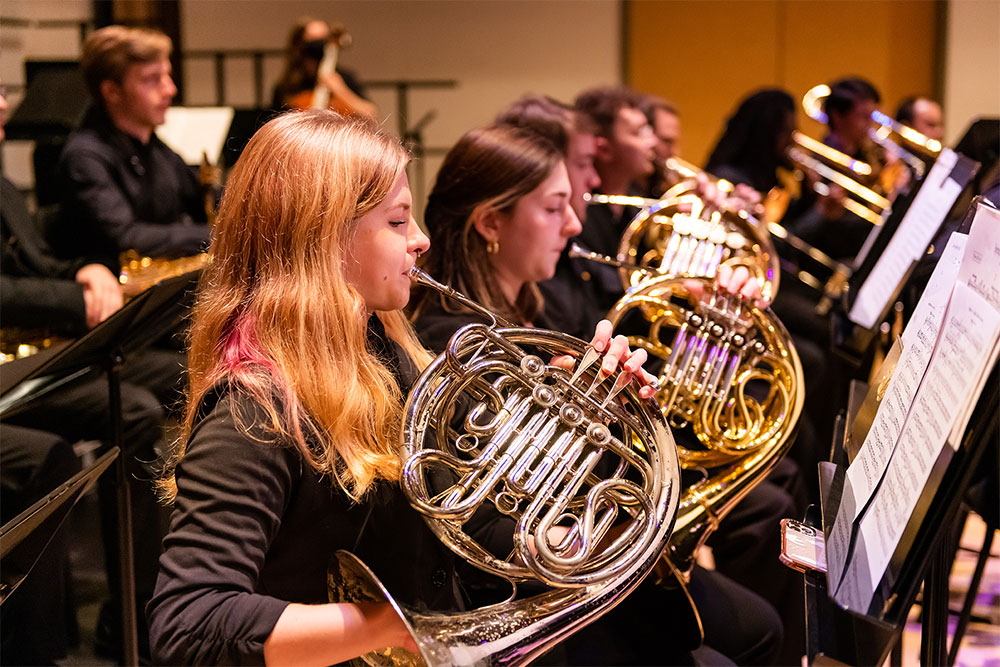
[730, 374]
[586, 468]
[680, 235]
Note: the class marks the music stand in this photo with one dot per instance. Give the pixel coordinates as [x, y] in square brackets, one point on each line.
[853, 340]
[145, 318]
[921, 557]
[25, 537]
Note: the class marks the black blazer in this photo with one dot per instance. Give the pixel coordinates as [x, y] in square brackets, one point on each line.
[37, 290]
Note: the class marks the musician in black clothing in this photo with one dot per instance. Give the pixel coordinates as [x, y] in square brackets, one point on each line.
[309, 42]
[503, 187]
[848, 109]
[34, 462]
[42, 295]
[624, 160]
[122, 188]
[746, 544]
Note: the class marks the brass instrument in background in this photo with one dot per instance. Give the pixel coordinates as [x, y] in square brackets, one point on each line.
[18, 343]
[680, 236]
[837, 168]
[139, 273]
[833, 281]
[732, 375]
[911, 147]
[548, 448]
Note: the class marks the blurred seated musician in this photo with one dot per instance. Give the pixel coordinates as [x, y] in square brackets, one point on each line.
[848, 109]
[624, 160]
[499, 216]
[42, 296]
[121, 187]
[746, 543]
[753, 150]
[313, 79]
[922, 114]
[41, 292]
[666, 123]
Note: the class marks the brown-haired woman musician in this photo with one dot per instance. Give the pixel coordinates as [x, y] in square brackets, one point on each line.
[499, 216]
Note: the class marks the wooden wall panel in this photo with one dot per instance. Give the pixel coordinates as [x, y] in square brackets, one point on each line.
[708, 55]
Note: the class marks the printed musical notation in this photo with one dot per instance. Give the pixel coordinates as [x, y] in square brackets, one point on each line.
[949, 346]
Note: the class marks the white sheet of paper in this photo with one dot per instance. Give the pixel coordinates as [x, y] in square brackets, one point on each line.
[919, 339]
[967, 339]
[980, 267]
[934, 299]
[915, 232]
[191, 130]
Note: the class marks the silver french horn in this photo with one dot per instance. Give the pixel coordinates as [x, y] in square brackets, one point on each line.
[547, 447]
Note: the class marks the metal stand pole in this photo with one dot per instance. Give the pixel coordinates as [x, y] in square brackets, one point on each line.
[130, 638]
[934, 633]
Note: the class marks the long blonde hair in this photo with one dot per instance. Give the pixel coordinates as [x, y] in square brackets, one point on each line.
[275, 314]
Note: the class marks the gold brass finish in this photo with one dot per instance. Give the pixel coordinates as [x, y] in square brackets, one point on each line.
[139, 273]
[732, 375]
[680, 235]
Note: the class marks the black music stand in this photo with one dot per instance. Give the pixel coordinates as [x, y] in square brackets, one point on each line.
[921, 557]
[852, 341]
[150, 315]
[25, 537]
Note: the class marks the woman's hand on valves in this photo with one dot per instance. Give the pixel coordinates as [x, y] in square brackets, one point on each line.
[616, 352]
[731, 282]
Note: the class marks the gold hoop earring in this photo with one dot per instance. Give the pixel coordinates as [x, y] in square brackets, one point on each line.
[492, 247]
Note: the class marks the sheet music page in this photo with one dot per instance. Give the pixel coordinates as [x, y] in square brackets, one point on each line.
[838, 542]
[190, 130]
[915, 232]
[918, 343]
[934, 299]
[980, 270]
[968, 337]
[928, 402]
[980, 267]
[967, 340]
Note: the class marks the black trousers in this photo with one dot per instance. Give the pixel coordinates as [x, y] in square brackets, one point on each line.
[151, 379]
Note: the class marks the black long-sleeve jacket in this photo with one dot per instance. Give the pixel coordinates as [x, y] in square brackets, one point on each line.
[118, 193]
[37, 290]
[254, 528]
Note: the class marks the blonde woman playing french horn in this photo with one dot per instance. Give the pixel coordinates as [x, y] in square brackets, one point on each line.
[299, 358]
[499, 216]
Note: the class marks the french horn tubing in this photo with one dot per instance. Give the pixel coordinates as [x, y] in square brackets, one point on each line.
[680, 235]
[730, 375]
[586, 468]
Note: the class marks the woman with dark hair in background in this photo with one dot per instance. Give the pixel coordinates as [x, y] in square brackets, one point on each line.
[311, 43]
[499, 216]
[753, 150]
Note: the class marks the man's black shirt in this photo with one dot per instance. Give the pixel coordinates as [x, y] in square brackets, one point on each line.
[118, 193]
